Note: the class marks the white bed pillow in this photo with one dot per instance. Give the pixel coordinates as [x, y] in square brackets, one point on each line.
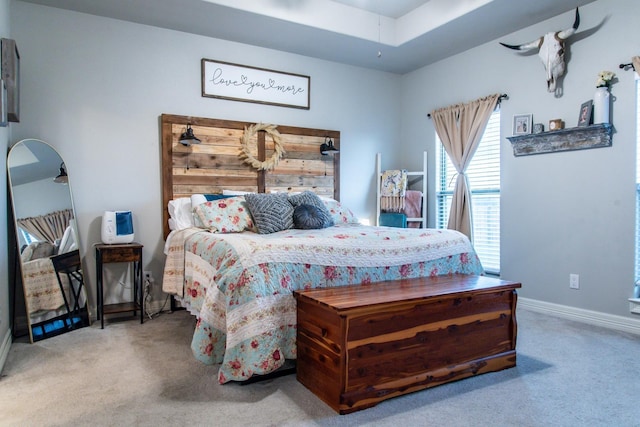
[180, 215]
[197, 199]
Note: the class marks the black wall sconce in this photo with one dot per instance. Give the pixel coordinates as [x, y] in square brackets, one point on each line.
[187, 138]
[327, 148]
[62, 177]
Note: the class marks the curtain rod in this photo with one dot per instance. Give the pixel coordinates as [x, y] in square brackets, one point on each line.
[500, 98]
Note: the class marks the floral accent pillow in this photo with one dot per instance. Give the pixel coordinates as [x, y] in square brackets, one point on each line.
[230, 215]
[340, 214]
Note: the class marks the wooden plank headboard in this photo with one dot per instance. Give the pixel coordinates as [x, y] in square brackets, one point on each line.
[214, 165]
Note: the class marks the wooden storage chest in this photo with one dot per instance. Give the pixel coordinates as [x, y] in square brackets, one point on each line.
[359, 345]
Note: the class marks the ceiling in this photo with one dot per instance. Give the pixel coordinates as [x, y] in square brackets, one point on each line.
[397, 36]
[389, 8]
[32, 160]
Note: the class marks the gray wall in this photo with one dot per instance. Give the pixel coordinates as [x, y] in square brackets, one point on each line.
[5, 134]
[94, 88]
[561, 213]
[51, 197]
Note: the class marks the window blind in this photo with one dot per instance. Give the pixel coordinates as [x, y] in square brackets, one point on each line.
[637, 269]
[483, 174]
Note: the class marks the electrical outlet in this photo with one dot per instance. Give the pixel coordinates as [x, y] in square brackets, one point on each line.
[148, 281]
[574, 281]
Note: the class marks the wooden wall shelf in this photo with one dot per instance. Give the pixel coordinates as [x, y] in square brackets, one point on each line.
[578, 138]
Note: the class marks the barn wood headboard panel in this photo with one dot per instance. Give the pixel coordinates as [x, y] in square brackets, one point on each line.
[214, 165]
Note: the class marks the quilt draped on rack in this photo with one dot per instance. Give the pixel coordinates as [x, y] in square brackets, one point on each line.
[393, 189]
[413, 207]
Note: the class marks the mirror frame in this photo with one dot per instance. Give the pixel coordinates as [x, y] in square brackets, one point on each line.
[64, 321]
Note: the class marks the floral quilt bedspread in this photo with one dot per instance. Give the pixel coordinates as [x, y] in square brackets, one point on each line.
[240, 286]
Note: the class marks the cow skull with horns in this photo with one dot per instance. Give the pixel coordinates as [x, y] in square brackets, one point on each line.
[551, 51]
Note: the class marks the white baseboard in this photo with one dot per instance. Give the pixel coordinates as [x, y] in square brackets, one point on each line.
[4, 348]
[619, 323]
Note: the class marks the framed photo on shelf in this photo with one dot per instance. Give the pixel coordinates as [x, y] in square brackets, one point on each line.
[584, 119]
[522, 124]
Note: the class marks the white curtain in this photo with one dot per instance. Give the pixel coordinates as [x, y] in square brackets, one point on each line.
[460, 128]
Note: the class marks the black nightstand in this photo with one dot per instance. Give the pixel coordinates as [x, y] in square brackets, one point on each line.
[126, 252]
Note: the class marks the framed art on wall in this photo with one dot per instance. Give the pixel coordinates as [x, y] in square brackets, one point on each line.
[237, 82]
[522, 124]
[11, 77]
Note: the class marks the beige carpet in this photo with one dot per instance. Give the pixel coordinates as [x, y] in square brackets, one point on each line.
[568, 374]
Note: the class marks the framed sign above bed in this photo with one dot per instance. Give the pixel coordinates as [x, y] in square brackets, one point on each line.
[236, 82]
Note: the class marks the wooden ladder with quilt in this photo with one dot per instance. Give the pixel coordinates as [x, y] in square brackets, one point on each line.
[421, 175]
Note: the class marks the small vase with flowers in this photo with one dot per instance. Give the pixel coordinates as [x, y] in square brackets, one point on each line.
[602, 97]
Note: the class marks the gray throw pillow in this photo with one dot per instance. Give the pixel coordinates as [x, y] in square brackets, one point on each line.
[311, 198]
[43, 250]
[308, 217]
[270, 212]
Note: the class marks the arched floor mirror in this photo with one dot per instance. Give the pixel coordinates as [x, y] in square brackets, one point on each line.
[47, 242]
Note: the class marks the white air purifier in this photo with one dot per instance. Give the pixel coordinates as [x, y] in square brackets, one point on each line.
[117, 227]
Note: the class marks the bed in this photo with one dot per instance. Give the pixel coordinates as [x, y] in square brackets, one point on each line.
[43, 293]
[239, 283]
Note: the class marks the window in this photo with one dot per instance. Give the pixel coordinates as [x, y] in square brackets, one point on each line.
[637, 179]
[484, 181]
[26, 236]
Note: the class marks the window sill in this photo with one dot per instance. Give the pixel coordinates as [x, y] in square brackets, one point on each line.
[634, 305]
[578, 138]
